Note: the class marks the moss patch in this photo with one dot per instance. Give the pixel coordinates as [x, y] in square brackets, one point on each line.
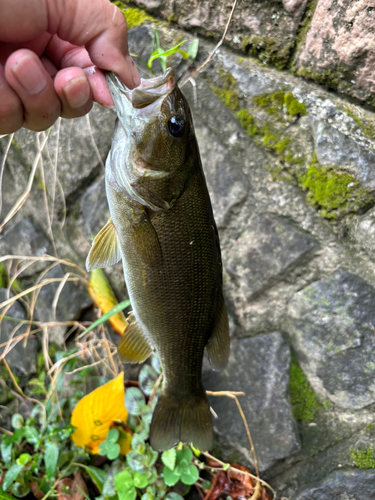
[267, 50]
[303, 398]
[227, 92]
[368, 129]
[279, 102]
[334, 192]
[364, 459]
[134, 17]
[247, 122]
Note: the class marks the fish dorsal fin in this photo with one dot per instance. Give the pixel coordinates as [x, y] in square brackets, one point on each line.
[218, 344]
[133, 347]
[105, 250]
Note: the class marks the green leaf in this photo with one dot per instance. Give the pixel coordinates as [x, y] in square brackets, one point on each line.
[140, 480]
[147, 378]
[17, 421]
[123, 481]
[112, 436]
[136, 461]
[193, 48]
[190, 475]
[134, 401]
[108, 486]
[173, 496]
[5, 496]
[23, 459]
[169, 458]
[157, 54]
[6, 451]
[184, 456]
[51, 457]
[114, 451]
[98, 476]
[171, 477]
[11, 475]
[32, 436]
[115, 310]
[226, 467]
[138, 443]
[155, 363]
[151, 456]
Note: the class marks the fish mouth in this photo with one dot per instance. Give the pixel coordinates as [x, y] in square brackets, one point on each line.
[149, 90]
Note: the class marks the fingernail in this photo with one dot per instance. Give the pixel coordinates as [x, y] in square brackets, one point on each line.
[30, 75]
[77, 92]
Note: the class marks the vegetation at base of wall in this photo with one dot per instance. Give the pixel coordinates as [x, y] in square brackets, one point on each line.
[304, 401]
[333, 191]
[134, 17]
[364, 459]
[267, 50]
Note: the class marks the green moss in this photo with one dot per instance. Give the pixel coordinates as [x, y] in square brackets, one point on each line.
[306, 22]
[3, 276]
[267, 50]
[335, 192]
[367, 128]
[247, 122]
[227, 92]
[134, 17]
[328, 78]
[278, 102]
[304, 400]
[364, 459]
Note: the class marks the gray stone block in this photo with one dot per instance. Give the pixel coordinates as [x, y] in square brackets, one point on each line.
[22, 357]
[331, 325]
[266, 251]
[342, 485]
[259, 367]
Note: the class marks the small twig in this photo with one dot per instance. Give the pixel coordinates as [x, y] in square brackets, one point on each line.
[216, 48]
[6, 431]
[233, 395]
[156, 386]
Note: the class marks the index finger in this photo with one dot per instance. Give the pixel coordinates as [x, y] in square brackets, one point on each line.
[97, 24]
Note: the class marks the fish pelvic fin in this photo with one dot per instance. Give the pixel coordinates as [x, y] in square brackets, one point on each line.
[218, 344]
[186, 419]
[133, 346]
[105, 250]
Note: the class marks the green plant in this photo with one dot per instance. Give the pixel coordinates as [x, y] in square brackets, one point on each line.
[157, 52]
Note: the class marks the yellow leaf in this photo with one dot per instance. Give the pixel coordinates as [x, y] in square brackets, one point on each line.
[125, 441]
[103, 296]
[94, 414]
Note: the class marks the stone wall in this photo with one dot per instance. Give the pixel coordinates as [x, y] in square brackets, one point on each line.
[290, 166]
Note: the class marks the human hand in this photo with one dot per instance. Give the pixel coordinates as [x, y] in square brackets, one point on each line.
[48, 49]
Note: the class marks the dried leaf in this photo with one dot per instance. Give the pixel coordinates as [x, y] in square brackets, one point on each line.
[95, 413]
[102, 294]
[72, 489]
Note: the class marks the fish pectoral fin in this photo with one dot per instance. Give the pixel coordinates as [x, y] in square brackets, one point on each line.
[133, 347]
[105, 250]
[146, 242]
[218, 344]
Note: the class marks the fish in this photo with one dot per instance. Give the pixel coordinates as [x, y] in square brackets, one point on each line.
[162, 227]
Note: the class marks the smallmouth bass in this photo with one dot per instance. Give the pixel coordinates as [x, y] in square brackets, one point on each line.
[162, 226]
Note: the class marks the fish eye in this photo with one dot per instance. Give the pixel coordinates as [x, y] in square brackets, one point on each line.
[176, 126]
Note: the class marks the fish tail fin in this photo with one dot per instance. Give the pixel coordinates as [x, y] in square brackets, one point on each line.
[186, 419]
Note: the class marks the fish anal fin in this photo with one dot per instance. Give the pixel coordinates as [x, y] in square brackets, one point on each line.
[105, 250]
[133, 347]
[218, 344]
